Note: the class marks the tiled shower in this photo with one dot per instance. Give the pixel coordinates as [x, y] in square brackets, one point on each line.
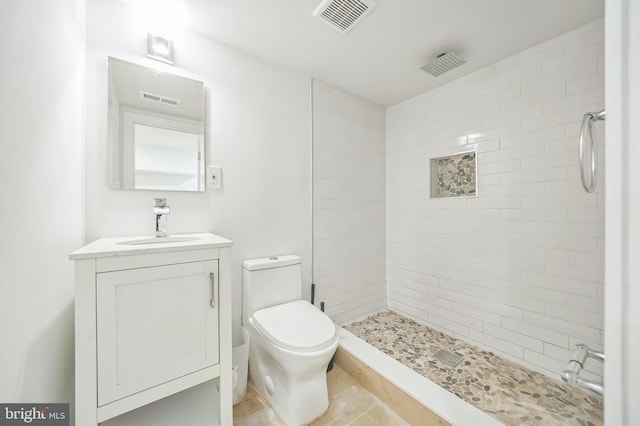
[517, 269]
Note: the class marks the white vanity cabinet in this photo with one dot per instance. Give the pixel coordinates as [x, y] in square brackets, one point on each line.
[151, 319]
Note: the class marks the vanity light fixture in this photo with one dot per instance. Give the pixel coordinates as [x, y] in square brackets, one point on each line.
[159, 48]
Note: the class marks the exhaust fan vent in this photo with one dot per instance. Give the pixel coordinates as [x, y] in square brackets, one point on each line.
[343, 14]
[443, 63]
[160, 99]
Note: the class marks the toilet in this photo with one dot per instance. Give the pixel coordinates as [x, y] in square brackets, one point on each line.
[292, 341]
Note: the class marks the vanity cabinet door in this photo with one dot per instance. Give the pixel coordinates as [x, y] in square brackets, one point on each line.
[155, 324]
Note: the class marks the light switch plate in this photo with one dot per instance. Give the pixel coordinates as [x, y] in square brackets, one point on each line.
[214, 177]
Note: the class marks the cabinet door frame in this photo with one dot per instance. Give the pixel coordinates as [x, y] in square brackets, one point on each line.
[205, 275]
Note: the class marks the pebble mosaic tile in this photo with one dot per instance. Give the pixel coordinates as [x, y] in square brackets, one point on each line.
[509, 392]
[454, 175]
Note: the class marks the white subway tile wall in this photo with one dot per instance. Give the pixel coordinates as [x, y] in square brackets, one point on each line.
[349, 250]
[518, 270]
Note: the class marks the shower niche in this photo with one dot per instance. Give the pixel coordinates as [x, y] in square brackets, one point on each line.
[454, 175]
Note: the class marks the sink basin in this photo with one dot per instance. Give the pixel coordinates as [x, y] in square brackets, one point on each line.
[158, 240]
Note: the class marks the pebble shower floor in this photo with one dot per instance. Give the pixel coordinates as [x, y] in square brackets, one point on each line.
[507, 391]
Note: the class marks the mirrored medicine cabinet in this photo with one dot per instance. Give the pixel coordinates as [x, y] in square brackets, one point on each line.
[156, 129]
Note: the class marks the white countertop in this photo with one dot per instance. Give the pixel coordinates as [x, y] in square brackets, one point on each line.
[117, 246]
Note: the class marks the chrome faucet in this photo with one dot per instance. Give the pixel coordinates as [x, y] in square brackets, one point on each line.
[576, 363]
[161, 210]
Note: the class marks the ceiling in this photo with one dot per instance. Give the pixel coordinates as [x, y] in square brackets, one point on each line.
[379, 58]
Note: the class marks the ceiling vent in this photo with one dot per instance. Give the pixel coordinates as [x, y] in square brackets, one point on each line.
[343, 14]
[160, 99]
[443, 63]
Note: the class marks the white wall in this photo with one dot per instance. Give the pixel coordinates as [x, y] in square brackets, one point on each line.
[630, 212]
[622, 296]
[41, 218]
[349, 264]
[519, 269]
[258, 131]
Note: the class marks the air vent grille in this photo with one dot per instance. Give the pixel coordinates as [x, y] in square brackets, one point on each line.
[159, 98]
[343, 14]
[443, 63]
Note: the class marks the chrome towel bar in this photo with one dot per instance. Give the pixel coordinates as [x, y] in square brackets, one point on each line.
[587, 136]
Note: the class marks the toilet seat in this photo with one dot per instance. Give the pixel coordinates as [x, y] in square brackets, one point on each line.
[296, 325]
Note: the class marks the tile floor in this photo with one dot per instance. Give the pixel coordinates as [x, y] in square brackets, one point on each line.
[349, 404]
[509, 392]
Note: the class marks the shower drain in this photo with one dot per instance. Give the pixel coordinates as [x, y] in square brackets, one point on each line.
[447, 357]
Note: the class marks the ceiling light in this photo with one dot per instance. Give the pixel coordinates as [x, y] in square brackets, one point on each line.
[159, 48]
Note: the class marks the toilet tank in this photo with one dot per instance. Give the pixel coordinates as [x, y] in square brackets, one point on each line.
[270, 281]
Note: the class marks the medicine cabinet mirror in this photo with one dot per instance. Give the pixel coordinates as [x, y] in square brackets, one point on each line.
[156, 129]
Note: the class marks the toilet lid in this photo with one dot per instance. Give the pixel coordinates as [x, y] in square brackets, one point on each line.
[296, 325]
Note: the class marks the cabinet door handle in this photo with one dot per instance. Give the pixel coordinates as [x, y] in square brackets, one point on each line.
[212, 278]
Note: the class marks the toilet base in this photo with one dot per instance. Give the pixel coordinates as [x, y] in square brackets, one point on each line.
[298, 394]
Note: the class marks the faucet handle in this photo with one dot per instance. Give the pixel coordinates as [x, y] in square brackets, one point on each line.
[161, 202]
